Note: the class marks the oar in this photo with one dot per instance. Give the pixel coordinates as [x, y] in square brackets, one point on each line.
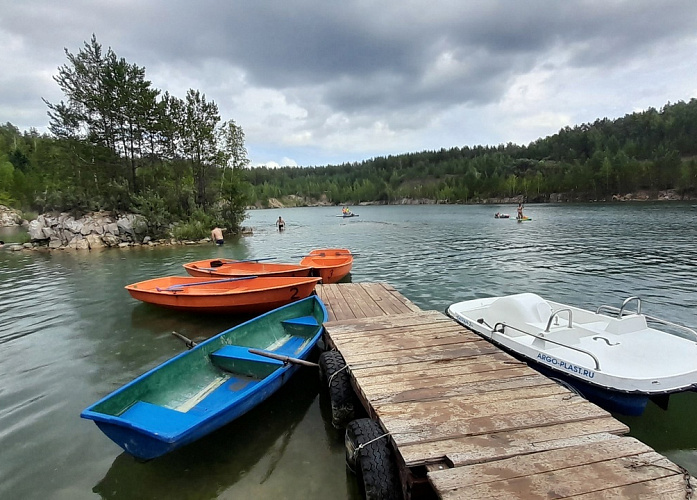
[220, 262]
[174, 288]
[187, 341]
[285, 359]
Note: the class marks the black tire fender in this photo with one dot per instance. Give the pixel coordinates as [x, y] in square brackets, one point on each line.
[334, 375]
[370, 456]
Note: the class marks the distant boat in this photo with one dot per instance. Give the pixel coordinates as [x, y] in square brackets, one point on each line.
[231, 268]
[246, 295]
[203, 389]
[331, 264]
[349, 214]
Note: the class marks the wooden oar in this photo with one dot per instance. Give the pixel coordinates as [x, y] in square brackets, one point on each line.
[187, 341]
[285, 359]
[221, 262]
[174, 288]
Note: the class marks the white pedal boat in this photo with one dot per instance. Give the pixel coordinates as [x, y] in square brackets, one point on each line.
[616, 358]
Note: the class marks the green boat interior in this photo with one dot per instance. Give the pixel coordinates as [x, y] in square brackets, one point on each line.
[213, 375]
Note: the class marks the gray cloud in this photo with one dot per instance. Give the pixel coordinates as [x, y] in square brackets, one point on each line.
[310, 80]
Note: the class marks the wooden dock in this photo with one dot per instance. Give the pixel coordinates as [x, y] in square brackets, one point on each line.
[468, 421]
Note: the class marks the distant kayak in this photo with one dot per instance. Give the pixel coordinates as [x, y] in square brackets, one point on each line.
[347, 215]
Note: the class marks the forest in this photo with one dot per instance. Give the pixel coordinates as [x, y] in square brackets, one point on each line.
[649, 151]
[118, 144]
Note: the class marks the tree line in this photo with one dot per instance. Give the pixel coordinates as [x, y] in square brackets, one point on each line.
[651, 150]
[119, 144]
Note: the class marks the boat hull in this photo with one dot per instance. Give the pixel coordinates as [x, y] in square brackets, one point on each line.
[224, 268]
[245, 295]
[330, 264]
[203, 389]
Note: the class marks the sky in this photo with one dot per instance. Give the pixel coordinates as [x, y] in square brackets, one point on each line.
[318, 82]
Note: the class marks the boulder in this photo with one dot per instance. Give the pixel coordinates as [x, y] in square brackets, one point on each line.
[9, 217]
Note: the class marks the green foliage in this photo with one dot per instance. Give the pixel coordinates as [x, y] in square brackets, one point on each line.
[198, 226]
[154, 208]
[117, 144]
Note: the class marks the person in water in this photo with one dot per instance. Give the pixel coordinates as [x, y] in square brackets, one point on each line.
[281, 223]
[217, 235]
[520, 211]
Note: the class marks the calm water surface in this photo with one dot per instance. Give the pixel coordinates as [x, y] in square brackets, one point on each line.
[70, 333]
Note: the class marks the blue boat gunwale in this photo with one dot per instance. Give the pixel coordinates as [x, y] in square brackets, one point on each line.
[200, 420]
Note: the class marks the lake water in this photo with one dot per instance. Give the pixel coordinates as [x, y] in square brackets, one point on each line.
[70, 333]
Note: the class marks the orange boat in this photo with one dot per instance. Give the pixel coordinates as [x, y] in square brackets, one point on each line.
[228, 268]
[230, 295]
[331, 264]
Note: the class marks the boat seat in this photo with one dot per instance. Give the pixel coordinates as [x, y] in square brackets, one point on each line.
[627, 324]
[238, 359]
[524, 310]
[165, 420]
[304, 325]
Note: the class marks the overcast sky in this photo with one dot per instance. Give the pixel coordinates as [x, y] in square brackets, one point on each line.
[316, 82]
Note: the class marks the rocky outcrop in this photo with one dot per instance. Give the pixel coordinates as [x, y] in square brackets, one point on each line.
[9, 217]
[96, 230]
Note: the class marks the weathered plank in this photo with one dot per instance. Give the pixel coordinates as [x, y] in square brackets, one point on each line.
[544, 461]
[390, 299]
[594, 478]
[360, 357]
[361, 325]
[493, 446]
[506, 416]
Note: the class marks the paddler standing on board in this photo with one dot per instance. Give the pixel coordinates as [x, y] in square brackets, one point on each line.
[520, 211]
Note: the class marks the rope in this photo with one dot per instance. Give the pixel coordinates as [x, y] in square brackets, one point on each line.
[335, 373]
[361, 446]
[689, 489]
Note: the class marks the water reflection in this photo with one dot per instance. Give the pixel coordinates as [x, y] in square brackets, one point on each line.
[239, 459]
[70, 334]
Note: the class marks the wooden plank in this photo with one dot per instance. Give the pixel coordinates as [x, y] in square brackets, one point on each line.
[506, 416]
[366, 359]
[422, 332]
[447, 373]
[369, 305]
[508, 443]
[360, 325]
[322, 292]
[665, 488]
[391, 304]
[339, 307]
[363, 308]
[596, 477]
[447, 366]
[536, 463]
[486, 404]
[496, 390]
[393, 291]
[390, 299]
[475, 384]
[404, 341]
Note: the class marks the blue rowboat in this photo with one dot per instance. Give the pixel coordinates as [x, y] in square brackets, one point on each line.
[209, 386]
